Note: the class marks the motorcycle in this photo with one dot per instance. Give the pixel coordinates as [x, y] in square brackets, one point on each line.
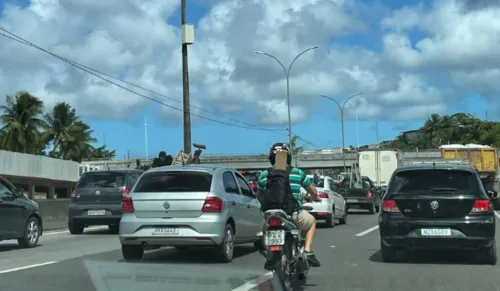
[284, 247]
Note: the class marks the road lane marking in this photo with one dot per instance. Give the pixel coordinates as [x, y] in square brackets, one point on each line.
[26, 267]
[365, 232]
[332, 247]
[67, 231]
[255, 283]
[497, 215]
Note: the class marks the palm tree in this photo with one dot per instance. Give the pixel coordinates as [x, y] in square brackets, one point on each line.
[81, 145]
[61, 127]
[22, 123]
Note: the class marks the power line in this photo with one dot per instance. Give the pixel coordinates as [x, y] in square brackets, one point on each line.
[96, 73]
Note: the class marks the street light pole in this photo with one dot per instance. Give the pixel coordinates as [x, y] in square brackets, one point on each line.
[342, 107]
[287, 75]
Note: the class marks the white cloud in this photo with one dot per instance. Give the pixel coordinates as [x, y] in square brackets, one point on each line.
[133, 40]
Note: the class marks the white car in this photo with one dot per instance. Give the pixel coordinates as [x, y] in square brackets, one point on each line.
[332, 207]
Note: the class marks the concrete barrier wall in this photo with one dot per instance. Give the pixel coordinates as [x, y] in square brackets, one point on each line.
[54, 213]
[24, 165]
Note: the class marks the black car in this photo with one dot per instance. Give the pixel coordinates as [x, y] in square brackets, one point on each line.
[437, 207]
[97, 199]
[19, 216]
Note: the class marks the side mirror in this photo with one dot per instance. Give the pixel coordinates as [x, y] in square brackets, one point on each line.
[19, 192]
[492, 194]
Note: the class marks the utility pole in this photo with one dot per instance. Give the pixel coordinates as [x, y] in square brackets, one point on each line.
[146, 137]
[187, 39]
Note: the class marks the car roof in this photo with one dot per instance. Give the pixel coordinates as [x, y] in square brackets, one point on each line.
[436, 166]
[193, 167]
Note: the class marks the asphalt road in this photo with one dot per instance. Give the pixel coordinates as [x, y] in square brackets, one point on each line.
[349, 256]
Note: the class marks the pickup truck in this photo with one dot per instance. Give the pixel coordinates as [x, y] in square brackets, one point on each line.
[364, 196]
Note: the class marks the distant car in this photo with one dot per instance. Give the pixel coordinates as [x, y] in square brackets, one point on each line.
[332, 206]
[437, 207]
[190, 206]
[251, 178]
[97, 198]
[19, 216]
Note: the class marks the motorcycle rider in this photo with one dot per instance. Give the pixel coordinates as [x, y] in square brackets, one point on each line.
[304, 220]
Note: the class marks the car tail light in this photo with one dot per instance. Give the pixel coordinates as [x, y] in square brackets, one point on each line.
[274, 222]
[390, 206]
[369, 194]
[127, 203]
[212, 204]
[481, 206]
[73, 194]
[323, 195]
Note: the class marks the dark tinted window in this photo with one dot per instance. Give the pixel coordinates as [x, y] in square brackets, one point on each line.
[102, 180]
[317, 181]
[245, 189]
[230, 183]
[184, 181]
[437, 181]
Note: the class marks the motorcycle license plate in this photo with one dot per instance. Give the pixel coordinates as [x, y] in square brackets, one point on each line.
[275, 238]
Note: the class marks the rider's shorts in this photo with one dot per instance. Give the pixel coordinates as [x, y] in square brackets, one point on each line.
[304, 220]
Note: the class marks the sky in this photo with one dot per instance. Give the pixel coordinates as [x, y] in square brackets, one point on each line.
[409, 58]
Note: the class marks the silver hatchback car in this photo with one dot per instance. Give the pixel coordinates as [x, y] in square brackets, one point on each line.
[190, 206]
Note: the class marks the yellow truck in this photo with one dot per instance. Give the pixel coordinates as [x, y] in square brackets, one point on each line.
[484, 159]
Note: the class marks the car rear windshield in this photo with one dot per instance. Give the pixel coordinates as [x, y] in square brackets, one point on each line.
[184, 181]
[435, 181]
[102, 180]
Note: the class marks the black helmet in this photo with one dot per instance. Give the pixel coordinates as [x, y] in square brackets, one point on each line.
[279, 146]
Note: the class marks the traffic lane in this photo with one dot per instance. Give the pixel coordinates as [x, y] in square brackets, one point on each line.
[166, 269]
[190, 268]
[57, 246]
[358, 266]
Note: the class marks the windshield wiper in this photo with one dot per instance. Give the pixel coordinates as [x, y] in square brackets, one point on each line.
[445, 189]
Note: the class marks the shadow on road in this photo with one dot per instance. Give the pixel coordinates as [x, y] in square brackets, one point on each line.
[98, 231]
[190, 256]
[432, 257]
[7, 247]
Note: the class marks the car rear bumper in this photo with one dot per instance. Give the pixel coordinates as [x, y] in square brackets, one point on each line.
[79, 214]
[206, 230]
[320, 209]
[359, 202]
[469, 233]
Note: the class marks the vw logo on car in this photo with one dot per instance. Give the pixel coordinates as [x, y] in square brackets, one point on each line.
[166, 205]
[97, 192]
[434, 205]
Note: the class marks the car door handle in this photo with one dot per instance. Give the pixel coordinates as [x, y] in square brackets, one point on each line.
[234, 203]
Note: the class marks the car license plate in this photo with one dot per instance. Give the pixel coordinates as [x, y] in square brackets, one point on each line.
[96, 212]
[165, 231]
[435, 231]
[275, 238]
[352, 200]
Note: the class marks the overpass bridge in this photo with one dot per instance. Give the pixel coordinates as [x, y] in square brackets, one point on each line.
[258, 162]
[39, 173]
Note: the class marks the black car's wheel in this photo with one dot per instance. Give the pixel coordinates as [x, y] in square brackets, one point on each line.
[489, 255]
[225, 250]
[31, 234]
[343, 219]
[388, 254]
[74, 227]
[132, 253]
[114, 228]
[330, 219]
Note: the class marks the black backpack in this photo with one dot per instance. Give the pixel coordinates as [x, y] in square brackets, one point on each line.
[278, 194]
